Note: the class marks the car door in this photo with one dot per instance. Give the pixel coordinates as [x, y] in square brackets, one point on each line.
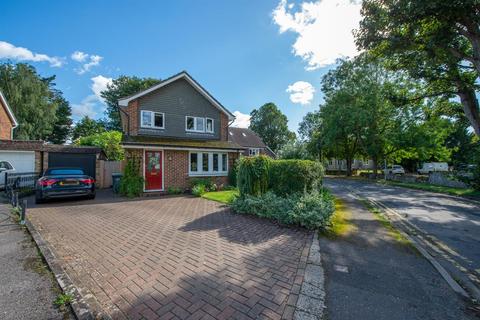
[5, 168]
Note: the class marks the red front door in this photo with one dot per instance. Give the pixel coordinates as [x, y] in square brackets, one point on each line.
[153, 170]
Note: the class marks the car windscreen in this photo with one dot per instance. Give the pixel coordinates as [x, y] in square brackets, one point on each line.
[61, 172]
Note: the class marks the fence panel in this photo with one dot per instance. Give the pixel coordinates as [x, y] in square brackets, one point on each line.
[106, 170]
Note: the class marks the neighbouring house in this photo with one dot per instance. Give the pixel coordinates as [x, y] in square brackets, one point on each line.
[7, 119]
[341, 165]
[177, 131]
[252, 143]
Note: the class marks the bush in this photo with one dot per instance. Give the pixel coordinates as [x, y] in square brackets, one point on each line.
[252, 175]
[232, 175]
[131, 184]
[206, 182]
[291, 176]
[198, 190]
[174, 190]
[309, 210]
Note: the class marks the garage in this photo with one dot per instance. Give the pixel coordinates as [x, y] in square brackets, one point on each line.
[86, 161]
[22, 161]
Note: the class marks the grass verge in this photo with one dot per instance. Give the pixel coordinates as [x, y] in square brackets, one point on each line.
[225, 196]
[340, 222]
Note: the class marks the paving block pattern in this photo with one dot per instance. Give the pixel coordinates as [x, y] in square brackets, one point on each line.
[176, 258]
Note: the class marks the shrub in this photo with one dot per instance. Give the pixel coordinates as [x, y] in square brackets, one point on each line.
[309, 210]
[174, 190]
[198, 190]
[291, 176]
[206, 182]
[252, 177]
[131, 184]
[232, 174]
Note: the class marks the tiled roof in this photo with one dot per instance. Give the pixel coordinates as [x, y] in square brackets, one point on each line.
[179, 143]
[39, 145]
[245, 138]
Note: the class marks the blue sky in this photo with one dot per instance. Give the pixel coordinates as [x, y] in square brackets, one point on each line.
[246, 53]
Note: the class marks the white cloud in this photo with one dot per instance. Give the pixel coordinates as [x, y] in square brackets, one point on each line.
[93, 60]
[99, 84]
[9, 51]
[242, 120]
[79, 56]
[87, 107]
[93, 104]
[301, 92]
[324, 29]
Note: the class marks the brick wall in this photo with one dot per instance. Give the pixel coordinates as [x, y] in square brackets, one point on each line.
[223, 127]
[5, 124]
[132, 111]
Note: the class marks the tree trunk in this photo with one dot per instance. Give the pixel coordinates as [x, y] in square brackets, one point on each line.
[375, 167]
[349, 167]
[470, 106]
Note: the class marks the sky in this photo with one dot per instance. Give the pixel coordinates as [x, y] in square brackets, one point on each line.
[245, 53]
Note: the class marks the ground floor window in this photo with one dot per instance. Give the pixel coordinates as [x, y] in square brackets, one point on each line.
[253, 151]
[212, 163]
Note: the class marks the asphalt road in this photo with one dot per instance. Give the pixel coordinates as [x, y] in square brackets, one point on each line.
[454, 222]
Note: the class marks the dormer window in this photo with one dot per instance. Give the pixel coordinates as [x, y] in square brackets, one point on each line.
[199, 124]
[150, 119]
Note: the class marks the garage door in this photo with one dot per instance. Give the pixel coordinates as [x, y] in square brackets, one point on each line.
[86, 161]
[22, 161]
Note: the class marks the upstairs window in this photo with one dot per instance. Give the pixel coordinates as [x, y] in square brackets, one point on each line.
[150, 119]
[199, 124]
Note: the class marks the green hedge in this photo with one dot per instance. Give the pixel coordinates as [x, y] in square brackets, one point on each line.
[257, 175]
[291, 176]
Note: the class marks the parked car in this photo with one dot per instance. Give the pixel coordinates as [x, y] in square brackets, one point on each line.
[5, 168]
[433, 167]
[394, 169]
[466, 171]
[64, 182]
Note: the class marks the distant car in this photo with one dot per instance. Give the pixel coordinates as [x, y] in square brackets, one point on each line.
[64, 183]
[433, 167]
[5, 168]
[395, 169]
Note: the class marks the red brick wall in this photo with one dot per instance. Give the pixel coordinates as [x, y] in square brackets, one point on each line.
[223, 127]
[5, 124]
[132, 111]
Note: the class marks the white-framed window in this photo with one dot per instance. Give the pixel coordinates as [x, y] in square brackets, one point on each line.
[209, 125]
[253, 152]
[208, 164]
[151, 119]
[199, 124]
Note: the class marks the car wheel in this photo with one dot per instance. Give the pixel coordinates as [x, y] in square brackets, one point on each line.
[91, 196]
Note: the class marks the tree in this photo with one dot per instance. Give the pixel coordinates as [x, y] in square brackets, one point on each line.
[63, 121]
[309, 131]
[109, 141]
[121, 87]
[87, 127]
[436, 41]
[295, 150]
[271, 125]
[32, 99]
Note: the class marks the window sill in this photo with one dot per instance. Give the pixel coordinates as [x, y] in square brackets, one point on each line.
[208, 174]
[157, 128]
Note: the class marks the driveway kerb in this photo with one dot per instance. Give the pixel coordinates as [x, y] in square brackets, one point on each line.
[82, 305]
[311, 300]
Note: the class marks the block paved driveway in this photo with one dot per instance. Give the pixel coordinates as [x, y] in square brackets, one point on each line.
[175, 258]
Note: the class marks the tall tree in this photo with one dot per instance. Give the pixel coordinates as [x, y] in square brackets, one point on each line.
[121, 87]
[309, 131]
[271, 125]
[63, 120]
[87, 127]
[436, 41]
[32, 99]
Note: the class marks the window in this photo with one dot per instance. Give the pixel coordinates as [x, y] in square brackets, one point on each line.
[194, 162]
[5, 165]
[209, 125]
[205, 162]
[150, 119]
[253, 151]
[199, 124]
[208, 164]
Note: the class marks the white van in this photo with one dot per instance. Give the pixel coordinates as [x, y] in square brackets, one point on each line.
[433, 167]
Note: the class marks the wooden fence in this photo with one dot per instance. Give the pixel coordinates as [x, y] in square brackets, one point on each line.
[106, 168]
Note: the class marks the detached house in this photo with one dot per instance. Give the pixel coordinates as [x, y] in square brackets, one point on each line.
[7, 119]
[177, 131]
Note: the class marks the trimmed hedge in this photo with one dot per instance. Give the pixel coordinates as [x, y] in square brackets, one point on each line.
[291, 176]
[256, 175]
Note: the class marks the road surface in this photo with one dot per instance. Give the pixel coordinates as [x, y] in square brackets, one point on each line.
[453, 224]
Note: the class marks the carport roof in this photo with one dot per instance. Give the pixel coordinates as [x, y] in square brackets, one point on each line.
[39, 145]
